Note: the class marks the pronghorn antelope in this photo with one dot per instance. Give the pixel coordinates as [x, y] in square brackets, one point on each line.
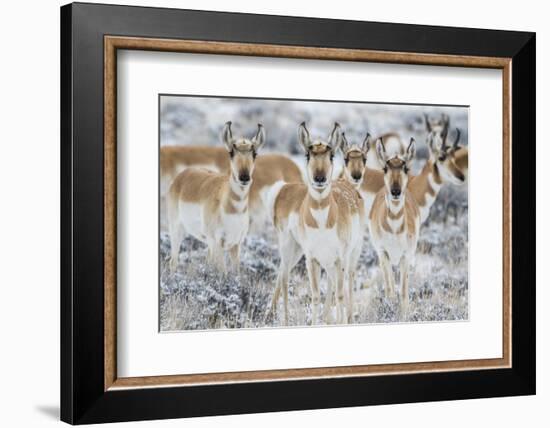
[447, 163]
[395, 220]
[213, 207]
[270, 168]
[368, 181]
[323, 220]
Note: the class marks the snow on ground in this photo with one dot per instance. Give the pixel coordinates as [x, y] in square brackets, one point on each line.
[199, 297]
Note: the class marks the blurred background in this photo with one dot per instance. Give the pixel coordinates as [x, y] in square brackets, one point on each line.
[199, 120]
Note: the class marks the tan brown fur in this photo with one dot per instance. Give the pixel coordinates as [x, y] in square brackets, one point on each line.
[270, 168]
[323, 220]
[395, 219]
[372, 180]
[420, 186]
[212, 206]
[446, 163]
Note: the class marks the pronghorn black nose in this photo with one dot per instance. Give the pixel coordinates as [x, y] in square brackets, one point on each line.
[356, 176]
[396, 191]
[319, 178]
[244, 177]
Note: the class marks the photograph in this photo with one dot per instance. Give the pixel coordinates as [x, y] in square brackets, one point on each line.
[294, 213]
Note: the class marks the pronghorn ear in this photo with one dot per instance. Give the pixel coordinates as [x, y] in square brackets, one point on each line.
[227, 136]
[259, 138]
[411, 150]
[303, 136]
[366, 144]
[344, 146]
[381, 153]
[428, 124]
[335, 138]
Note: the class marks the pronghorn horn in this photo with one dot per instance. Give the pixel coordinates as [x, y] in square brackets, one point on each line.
[428, 125]
[445, 131]
[228, 128]
[457, 139]
[411, 150]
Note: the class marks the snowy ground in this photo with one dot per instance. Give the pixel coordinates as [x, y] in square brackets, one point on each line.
[198, 297]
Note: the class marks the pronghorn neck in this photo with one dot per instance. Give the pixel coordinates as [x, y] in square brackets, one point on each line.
[236, 197]
[346, 178]
[395, 219]
[434, 170]
[317, 208]
[395, 208]
[431, 178]
[319, 196]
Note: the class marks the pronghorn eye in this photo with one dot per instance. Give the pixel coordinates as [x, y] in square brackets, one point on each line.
[406, 169]
[254, 154]
[307, 156]
[232, 153]
[385, 169]
[346, 161]
[331, 156]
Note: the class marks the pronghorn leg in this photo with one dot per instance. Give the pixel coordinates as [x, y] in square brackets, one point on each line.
[216, 256]
[335, 274]
[313, 272]
[404, 279]
[235, 255]
[176, 236]
[290, 254]
[276, 293]
[340, 291]
[389, 282]
[327, 308]
[176, 231]
[351, 281]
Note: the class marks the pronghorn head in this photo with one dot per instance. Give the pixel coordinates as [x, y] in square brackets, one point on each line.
[448, 161]
[396, 169]
[443, 154]
[437, 130]
[242, 152]
[355, 159]
[320, 156]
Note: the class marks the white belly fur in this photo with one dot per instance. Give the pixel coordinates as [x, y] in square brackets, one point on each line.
[322, 244]
[191, 218]
[231, 228]
[395, 246]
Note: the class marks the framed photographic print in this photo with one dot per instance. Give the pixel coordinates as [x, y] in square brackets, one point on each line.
[265, 213]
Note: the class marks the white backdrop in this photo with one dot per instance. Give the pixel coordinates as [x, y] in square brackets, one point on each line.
[29, 244]
[142, 351]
